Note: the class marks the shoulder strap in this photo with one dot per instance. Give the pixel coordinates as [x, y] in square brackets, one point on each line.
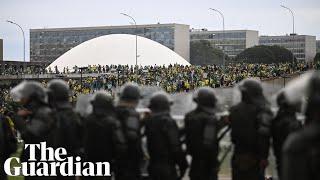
[171, 132]
[131, 126]
[264, 120]
[210, 132]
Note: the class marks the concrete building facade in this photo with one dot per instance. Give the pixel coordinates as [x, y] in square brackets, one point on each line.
[318, 46]
[49, 44]
[1, 50]
[232, 42]
[302, 46]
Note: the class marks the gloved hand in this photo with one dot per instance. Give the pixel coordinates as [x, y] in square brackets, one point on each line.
[226, 119]
[24, 112]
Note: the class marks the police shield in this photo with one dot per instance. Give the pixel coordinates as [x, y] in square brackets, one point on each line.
[83, 105]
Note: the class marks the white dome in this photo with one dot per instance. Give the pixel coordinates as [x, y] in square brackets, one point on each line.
[118, 49]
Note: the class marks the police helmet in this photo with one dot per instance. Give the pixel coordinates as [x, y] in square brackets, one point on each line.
[58, 90]
[205, 96]
[130, 92]
[160, 101]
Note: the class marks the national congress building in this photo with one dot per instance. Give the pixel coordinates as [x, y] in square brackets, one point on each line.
[232, 42]
[302, 46]
[47, 45]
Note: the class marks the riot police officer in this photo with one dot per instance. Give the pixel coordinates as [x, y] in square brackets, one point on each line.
[201, 127]
[128, 168]
[250, 132]
[284, 124]
[68, 130]
[8, 143]
[301, 153]
[35, 120]
[104, 140]
[163, 142]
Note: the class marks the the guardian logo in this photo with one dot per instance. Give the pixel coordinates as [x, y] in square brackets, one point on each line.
[54, 162]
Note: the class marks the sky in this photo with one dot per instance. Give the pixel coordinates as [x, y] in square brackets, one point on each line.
[266, 16]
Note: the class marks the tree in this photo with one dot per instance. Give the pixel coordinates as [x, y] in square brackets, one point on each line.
[265, 54]
[317, 57]
[203, 53]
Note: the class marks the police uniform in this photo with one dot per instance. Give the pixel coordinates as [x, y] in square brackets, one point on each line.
[250, 132]
[128, 167]
[163, 142]
[301, 152]
[283, 125]
[37, 123]
[201, 129]
[104, 140]
[68, 128]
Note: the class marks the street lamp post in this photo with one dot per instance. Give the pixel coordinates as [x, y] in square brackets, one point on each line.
[136, 27]
[223, 31]
[24, 39]
[293, 32]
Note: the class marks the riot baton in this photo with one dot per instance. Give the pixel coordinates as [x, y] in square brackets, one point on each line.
[224, 157]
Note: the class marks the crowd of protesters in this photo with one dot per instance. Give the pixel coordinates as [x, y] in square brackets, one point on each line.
[148, 144]
[270, 69]
[174, 78]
